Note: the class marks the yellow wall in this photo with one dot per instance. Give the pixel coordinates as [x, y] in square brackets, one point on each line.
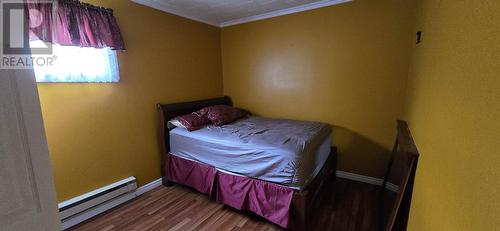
[345, 65]
[100, 133]
[453, 110]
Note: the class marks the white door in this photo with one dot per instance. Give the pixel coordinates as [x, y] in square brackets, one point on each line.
[27, 195]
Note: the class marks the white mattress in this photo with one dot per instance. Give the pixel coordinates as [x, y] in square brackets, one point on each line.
[286, 152]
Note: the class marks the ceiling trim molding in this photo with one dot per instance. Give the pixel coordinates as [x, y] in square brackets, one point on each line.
[282, 12]
[276, 13]
[161, 7]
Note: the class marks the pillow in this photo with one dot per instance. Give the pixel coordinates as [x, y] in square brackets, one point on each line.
[175, 123]
[190, 122]
[221, 114]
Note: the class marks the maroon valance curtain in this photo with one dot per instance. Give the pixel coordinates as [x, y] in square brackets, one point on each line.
[73, 23]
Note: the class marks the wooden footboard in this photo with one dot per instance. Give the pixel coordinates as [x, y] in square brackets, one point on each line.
[304, 200]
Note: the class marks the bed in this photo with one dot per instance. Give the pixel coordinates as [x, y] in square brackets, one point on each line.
[272, 167]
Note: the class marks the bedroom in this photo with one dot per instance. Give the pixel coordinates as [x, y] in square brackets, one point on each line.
[353, 65]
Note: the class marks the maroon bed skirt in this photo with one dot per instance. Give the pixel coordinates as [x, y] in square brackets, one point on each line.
[271, 201]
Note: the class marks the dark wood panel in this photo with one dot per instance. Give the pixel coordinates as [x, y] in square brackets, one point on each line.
[396, 200]
[343, 205]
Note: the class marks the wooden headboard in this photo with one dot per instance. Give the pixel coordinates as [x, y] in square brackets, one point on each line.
[167, 112]
[397, 188]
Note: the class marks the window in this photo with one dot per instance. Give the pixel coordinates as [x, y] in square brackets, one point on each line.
[78, 64]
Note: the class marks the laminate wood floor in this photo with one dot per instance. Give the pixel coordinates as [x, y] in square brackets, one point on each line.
[344, 205]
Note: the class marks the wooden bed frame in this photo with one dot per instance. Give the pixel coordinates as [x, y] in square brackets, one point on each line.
[401, 171]
[302, 200]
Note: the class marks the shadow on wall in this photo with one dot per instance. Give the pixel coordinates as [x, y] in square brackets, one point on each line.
[358, 154]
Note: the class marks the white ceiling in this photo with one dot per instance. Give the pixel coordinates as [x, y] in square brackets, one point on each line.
[231, 12]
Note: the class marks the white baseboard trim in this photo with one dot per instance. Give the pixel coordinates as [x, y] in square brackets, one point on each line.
[340, 174]
[96, 210]
[148, 187]
[360, 178]
[107, 205]
[366, 179]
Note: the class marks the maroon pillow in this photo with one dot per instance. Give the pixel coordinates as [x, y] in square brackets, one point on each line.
[221, 114]
[203, 112]
[193, 122]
